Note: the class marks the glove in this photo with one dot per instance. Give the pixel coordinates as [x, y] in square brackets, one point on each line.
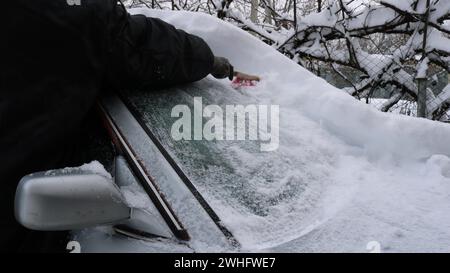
[222, 68]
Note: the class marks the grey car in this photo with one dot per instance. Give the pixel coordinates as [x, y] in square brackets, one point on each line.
[173, 179]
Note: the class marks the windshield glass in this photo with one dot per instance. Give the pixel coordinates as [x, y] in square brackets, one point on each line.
[263, 197]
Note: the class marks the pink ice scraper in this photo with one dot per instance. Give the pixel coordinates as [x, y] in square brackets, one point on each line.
[244, 80]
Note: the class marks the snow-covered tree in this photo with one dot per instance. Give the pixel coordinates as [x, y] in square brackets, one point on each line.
[370, 45]
[348, 34]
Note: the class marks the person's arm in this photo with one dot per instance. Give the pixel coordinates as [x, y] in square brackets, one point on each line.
[147, 52]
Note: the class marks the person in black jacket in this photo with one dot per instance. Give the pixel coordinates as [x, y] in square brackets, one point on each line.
[55, 58]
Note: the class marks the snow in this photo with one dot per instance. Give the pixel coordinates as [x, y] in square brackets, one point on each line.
[375, 15]
[93, 167]
[344, 175]
[402, 107]
[323, 18]
[422, 68]
[236, 14]
[404, 5]
[441, 9]
[438, 41]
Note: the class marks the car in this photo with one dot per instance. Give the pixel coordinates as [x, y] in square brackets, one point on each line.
[335, 175]
[79, 198]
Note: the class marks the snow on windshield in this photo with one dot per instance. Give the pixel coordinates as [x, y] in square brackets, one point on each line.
[344, 174]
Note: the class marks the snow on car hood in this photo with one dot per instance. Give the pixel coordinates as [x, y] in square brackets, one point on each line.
[346, 175]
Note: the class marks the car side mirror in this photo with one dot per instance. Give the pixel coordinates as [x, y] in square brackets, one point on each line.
[68, 200]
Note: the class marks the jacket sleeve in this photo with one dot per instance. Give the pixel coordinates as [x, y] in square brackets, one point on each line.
[147, 52]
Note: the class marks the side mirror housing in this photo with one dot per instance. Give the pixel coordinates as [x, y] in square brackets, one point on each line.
[68, 200]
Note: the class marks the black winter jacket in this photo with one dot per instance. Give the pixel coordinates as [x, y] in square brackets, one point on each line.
[54, 60]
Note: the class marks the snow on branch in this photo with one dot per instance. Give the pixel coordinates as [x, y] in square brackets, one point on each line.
[367, 44]
[338, 35]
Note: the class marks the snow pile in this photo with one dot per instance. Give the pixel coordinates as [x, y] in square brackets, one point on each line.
[345, 174]
[93, 167]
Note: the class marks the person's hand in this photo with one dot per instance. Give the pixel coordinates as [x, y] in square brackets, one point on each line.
[222, 68]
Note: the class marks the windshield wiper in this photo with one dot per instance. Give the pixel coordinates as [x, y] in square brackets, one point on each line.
[209, 210]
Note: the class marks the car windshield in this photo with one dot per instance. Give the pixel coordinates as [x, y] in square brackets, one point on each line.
[343, 175]
[263, 197]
